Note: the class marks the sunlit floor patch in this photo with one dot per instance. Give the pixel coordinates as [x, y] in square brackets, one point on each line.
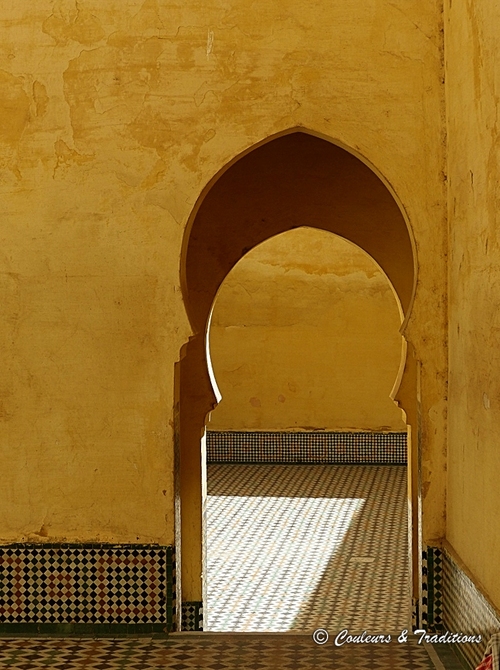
[294, 548]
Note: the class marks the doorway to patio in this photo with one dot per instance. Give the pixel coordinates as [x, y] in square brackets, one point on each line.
[289, 181]
[306, 513]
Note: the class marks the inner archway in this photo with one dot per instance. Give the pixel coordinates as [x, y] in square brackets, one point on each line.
[304, 335]
[305, 450]
[289, 181]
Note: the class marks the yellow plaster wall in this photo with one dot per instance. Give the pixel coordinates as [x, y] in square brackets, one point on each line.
[113, 118]
[473, 89]
[304, 336]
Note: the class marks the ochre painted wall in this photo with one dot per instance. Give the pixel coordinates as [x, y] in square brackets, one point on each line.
[114, 116]
[473, 89]
[305, 336]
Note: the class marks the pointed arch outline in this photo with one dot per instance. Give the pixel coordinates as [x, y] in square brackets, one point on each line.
[194, 393]
[336, 142]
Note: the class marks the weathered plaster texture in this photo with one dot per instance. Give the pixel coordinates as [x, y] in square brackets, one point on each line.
[305, 335]
[473, 91]
[114, 116]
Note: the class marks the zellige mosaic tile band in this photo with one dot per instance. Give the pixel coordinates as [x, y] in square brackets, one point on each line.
[47, 585]
[466, 609]
[423, 621]
[432, 570]
[437, 588]
[308, 447]
[414, 614]
[192, 616]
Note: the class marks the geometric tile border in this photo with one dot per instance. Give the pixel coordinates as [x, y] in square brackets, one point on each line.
[414, 614]
[432, 598]
[466, 609]
[306, 448]
[72, 588]
[192, 616]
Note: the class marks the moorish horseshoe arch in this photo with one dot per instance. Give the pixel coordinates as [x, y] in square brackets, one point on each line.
[289, 180]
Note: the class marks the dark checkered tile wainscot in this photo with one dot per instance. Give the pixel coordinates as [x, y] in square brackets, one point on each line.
[306, 448]
[86, 588]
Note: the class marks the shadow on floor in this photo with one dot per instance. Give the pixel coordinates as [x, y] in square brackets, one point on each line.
[301, 547]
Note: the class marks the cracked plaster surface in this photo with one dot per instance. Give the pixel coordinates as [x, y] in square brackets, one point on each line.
[113, 118]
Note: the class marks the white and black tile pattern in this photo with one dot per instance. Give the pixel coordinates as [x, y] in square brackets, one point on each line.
[294, 548]
[306, 447]
[85, 584]
[465, 609]
[192, 616]
[432, 588]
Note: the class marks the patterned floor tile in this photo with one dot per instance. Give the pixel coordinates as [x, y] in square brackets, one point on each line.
[208, 651]
[295, 548]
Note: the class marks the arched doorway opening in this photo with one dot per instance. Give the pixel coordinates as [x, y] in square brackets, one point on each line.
[295, 179]
[305, 333]
[306, 482]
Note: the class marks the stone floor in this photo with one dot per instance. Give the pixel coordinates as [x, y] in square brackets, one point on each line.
[214, 651]
[300, 547]
[290, 549]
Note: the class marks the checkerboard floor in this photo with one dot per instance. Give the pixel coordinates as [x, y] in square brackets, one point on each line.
[300, 547]
[208, 651]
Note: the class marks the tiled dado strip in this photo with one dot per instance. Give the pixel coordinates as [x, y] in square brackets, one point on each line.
[65, 589]
[302, 448]
[466, 608]
[432, 589]
[454, 603]
[192, 616]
